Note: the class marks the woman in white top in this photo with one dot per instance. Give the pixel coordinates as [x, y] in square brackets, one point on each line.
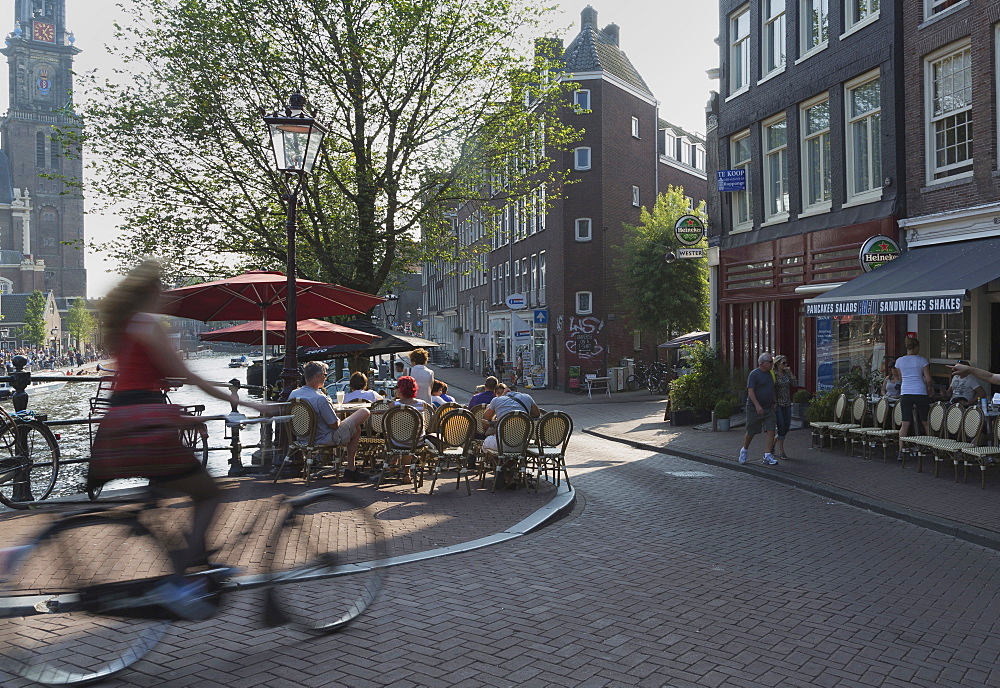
[359, 390]
[916, 385]
[423, 375]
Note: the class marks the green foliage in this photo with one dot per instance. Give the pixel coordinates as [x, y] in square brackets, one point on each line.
[79, 321]
[723, 408]
[34, 319]
[822, 406]
[667, 299]
[859, 382]
[802, 396]
[424, 101]
[701, 388]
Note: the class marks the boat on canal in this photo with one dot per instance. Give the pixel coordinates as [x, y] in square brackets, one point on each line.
[6, 391]
[239, 362]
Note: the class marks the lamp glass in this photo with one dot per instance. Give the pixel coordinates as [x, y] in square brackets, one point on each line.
[296, 143]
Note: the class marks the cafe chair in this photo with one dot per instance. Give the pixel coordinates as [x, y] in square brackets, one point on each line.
[373, 435]
[453, 442]
[973, 421]
[984, 457]
[513, 435]
[301, 432]
[438, 413]
[951, 436]
[888, 437]
[820, 430]
[841, 431]
[917, 444]
[548, 453]
[403, 427]
[860, 435]
[476, 453]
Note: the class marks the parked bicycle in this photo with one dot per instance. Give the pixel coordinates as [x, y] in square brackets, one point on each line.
[79, 601]
[29, 459]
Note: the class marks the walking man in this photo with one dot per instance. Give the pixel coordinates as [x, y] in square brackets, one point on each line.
[760, 408]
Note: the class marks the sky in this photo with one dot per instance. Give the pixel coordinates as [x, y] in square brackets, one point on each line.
[670, 43]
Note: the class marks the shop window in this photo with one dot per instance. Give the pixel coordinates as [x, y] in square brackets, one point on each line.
[950, 336]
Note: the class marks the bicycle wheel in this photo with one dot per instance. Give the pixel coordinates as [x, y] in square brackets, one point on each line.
[632, 383]
[322, 561]
[198, 443]
[47, 634]
[31, 464]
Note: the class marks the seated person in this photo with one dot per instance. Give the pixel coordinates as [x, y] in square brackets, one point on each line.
[400, 370]
[507, 402]
[892, 384]
[406, 393]
[330, 430]
[359, 390]
[965, 389]
[439, 394]
[487, 395]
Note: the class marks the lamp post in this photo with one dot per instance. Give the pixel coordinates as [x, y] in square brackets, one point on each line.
[389, 307]
[296, 140]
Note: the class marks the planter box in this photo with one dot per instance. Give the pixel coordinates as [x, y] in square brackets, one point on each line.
[687, 417]
[722, 424]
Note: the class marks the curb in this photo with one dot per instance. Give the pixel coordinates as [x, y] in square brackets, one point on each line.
[962, 531]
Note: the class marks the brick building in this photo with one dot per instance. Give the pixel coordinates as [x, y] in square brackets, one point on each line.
[544, 289]
[41, 216]
[808, 108]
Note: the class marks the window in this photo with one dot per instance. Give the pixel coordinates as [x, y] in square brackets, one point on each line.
[864, 133]
[739, 50]
[534, 279]
[581, 158]
[635, 127]
[669, 144]
[776, 169]
[816, 154]
[739, 159]
[774, 36]
[861, 10]
[581, 101]
[949, 126]
[635, 196]
[815, 23]
[583, 231]
[933, 7]
[584, 304]
[541, 278]
[950, 335]
[40, 149]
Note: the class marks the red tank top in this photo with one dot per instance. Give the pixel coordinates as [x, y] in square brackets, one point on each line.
[138, 369]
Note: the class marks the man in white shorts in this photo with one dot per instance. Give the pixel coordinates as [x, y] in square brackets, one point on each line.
[329, 429]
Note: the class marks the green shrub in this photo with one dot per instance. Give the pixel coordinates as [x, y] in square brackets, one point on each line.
[700, 389]
[856, 381]
[723, 408]
[822, 406]
[803, 396]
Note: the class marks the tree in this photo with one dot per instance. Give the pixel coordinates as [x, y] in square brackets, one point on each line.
[424, 100]
[667, 299]
[79, 321]
[34, 319]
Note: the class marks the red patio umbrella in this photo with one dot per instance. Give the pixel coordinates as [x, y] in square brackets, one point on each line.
[310, 333]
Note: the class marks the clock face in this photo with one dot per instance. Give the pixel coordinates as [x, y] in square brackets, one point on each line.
[42, 31]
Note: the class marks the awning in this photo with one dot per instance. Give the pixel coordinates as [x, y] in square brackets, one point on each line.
[933, 279]
[685, 339]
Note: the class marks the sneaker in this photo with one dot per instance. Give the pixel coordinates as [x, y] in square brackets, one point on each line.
[743, 456]
[769, 460]
[187, 599]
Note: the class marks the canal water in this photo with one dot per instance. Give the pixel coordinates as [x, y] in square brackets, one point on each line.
[73, 401]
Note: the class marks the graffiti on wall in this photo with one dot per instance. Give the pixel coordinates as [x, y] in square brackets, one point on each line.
[582, 341]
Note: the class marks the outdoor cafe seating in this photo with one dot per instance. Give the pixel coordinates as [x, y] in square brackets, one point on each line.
[302, 446]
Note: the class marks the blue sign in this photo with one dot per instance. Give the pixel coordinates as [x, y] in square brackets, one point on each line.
[541, 317]
[731, 180]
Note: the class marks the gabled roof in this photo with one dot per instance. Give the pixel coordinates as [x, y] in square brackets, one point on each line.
[13, 306]
[596, 50]
[680, 131]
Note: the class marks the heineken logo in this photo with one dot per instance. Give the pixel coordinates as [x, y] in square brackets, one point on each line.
[878, 250]
[689, 230]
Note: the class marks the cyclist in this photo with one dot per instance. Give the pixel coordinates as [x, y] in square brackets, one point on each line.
[145, 359]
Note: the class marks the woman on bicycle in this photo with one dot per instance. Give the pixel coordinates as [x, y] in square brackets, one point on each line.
[145, 359]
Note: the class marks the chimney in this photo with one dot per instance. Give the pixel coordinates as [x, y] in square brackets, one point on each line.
[588, 17]
[611, 32]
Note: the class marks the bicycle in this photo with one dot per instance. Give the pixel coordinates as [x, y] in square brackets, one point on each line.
[69, 615]
[30, 462]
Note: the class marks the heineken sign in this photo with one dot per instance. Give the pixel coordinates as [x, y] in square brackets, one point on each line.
[878, 250]
[689, 230]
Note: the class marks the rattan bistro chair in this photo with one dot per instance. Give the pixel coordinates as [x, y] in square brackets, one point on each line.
[302, 445]
[984, 457]
[820, 430]
[456, 428]
[548, 453]
[973, 420]
[889, 436]
[860, 435]
[403, 427]
[513, 435]
[841, 431]
[917, 444]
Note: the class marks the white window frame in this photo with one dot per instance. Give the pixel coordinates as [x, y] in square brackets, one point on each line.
[767, 153]
[579, 224]
[589, 295]
[937, 174]
[581, 101]
[739, 52]
[577, 164]
[854, 20]
[737, 198]
[635, 197]
[807, 49]
[855, 195]
[825, 161]
[635, 127]
[929, 5]
[774, 27]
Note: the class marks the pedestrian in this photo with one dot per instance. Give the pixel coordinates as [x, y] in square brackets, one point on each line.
[760, 408]
[915, 389]
[423, 375]
[784, 380]
[498, 365]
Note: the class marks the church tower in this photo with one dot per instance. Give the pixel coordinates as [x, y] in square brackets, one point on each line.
[40, 54]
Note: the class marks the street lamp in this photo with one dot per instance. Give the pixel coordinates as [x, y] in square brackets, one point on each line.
[389, 307]
[296, 139]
